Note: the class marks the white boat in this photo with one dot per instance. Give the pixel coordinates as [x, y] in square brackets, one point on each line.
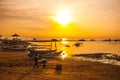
[14, 45]
[43, 51]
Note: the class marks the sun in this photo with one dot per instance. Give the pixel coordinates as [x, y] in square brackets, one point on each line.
[63, 17]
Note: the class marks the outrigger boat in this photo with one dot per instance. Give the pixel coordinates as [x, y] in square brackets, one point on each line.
[77, 44]
[44, 51]
[14, 44]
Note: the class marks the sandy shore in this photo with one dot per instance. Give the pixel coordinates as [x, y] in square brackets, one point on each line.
[18, 66]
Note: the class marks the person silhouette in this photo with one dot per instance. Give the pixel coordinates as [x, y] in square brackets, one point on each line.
[36, 61]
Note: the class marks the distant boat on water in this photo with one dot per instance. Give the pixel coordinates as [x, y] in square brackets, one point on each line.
[111, 40]
[67, 45]
[77, 44]
[117, 40]
[107, 40]
[92, 40]
[82, 40]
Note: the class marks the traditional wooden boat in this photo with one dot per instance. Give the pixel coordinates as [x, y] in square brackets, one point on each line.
[14, 45]
[77, 44]
[43, 51]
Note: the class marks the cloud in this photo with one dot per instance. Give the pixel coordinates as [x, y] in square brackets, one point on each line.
[23, 10]
[31, 13]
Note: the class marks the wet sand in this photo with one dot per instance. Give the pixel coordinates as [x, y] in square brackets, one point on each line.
[18, 66]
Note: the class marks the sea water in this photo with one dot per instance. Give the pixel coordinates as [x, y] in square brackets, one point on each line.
[108, 51]
[87, 47]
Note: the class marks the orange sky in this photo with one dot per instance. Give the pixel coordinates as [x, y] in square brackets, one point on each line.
[35, 18]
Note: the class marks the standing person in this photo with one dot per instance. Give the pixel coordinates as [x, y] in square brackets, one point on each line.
[36, 61]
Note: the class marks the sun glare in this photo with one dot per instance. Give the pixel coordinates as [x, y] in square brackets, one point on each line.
[64, 41]
[63, 17]
[63, 55]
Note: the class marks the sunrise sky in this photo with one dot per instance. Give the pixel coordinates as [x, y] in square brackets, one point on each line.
[45, 19]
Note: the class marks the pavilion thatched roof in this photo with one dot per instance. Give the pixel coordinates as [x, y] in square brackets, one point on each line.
[15, 35]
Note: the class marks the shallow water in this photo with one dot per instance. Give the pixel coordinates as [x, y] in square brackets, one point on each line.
[87, 47]
[91, 47]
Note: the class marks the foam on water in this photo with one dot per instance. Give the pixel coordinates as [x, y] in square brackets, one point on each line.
[101, 60]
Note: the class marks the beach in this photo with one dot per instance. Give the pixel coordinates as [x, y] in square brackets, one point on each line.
[18, 66]
[59, 39]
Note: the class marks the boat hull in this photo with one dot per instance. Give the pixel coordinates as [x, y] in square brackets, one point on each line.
[44, 54]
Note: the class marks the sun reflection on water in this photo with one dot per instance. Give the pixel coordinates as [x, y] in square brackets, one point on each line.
[63, 55]
[64, 41]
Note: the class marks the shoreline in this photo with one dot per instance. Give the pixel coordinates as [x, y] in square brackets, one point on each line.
[17, 66]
